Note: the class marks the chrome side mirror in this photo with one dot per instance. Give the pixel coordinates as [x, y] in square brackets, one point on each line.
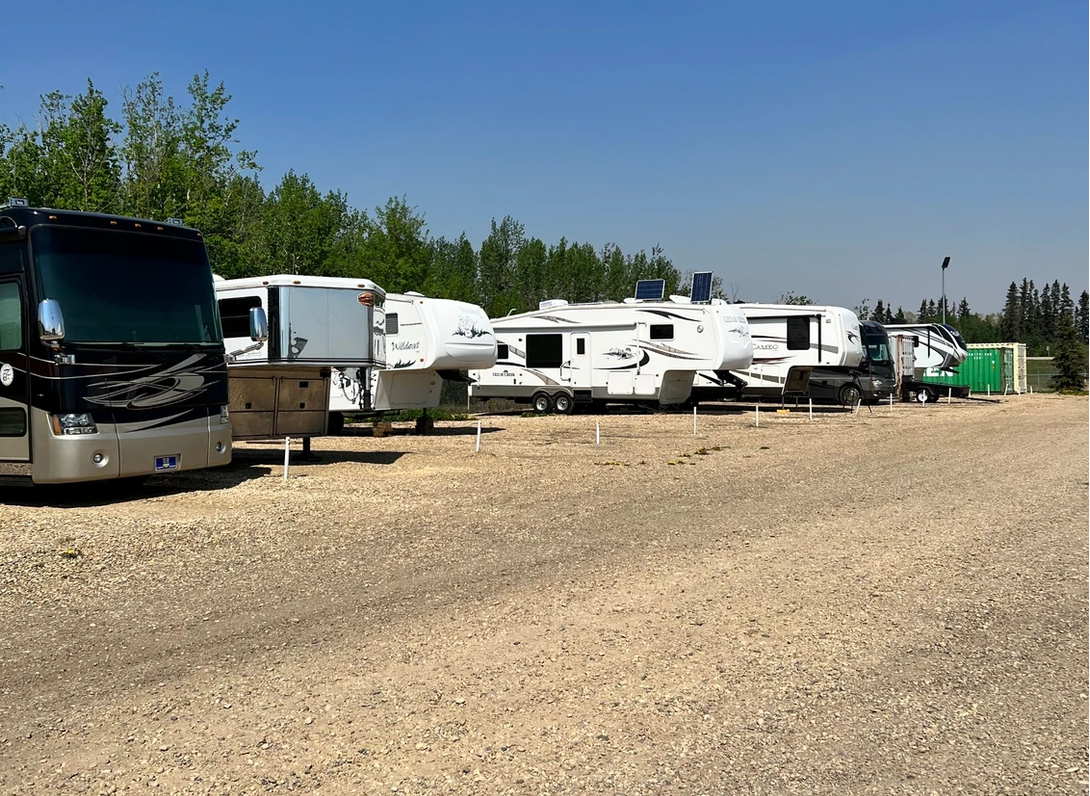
[50, 322]
[259, 325]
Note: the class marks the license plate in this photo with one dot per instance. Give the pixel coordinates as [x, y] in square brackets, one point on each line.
[166, 463]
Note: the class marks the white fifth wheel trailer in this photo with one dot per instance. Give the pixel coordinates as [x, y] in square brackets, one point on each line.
[427, 340]
[927, 349]
[562, 354]
[315, 324]
[936, 345]
[826, 341]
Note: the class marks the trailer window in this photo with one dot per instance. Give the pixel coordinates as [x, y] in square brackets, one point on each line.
[11, 317]
[391, 323]
[662, 331]
[580, 347]
[502, 351]
[798, 334]
[544, 351]
[235, 315]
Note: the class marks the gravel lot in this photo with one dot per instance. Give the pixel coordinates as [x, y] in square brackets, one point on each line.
[888, 603]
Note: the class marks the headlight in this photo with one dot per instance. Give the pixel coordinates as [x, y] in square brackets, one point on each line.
[224, 415]
[877, 382]
[81, 423]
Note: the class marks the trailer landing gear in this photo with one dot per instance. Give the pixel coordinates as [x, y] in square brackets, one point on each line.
[306, 455]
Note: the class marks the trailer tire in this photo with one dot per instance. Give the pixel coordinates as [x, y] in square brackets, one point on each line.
[563, 403]
[850, 395]
[542, 403]
[924, 395]
[336, 424]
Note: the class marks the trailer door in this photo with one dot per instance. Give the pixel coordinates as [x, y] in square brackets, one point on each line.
[578, 372]
[14, 378]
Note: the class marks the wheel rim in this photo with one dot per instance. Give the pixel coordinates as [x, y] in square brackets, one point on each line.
[563, 403]
[541, 403]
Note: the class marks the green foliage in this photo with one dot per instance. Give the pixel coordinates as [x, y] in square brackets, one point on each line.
[181, 158]
[1070, 359]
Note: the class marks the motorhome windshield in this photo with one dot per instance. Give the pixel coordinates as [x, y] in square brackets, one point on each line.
[127, 287]
[877, 348]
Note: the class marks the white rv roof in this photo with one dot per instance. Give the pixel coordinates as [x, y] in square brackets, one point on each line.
[790, 309]
[288, 280]
[621, 308]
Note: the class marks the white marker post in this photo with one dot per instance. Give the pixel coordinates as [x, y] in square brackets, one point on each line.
[757, 414]
[694, 421]
[891, 403]
[287, 451]
[949, 395]
[989, 391]
[478, 436]
[811, 400]
[597, 432]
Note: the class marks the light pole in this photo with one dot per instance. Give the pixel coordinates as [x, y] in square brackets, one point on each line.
[945, 265]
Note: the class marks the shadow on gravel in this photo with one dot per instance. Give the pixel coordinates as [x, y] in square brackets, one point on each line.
[724, 409]
[436, 431]
[103, 493]
[267, 459]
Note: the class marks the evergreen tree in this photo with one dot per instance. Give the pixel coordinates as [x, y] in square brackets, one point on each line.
[1067, 306]
[1047, 327]
[1070, 359]
[1011, 323]
[889, 314]
[923, 316]
[1084, 317]
[964, 313]
[879, 311]
[932, 311]
[900, 316]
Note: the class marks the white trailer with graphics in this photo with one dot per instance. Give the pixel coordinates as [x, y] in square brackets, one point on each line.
[825, 341]
[926, 349]
[281, 388]
[428, 340]
[563, 355]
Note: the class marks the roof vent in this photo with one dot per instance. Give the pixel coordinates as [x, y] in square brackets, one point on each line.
[551, 303]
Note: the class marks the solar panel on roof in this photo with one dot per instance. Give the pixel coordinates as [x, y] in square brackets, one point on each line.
[650, 289]
[702, 287]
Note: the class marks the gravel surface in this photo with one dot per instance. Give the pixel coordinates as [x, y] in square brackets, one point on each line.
[889, 603]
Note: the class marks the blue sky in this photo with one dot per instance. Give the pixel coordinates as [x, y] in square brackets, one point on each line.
[835, 149]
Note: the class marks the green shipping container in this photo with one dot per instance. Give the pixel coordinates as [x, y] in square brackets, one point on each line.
[981, 371]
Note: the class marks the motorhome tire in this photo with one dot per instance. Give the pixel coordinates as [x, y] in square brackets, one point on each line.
[542, 403]
[850, 395]
[563, 403]
[924, 395]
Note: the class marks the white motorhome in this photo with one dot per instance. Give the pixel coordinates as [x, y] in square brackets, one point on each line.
[786, 338]
[562, 354]
[937, 346]
[315, 324]
[427, 340]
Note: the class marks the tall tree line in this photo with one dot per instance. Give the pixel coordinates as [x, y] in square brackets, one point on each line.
[168, 158]
[1037, 317]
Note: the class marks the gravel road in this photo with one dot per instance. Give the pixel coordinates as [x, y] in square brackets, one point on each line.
[887, 603]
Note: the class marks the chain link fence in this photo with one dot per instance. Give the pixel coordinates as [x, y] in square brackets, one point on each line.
[1039, 373]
